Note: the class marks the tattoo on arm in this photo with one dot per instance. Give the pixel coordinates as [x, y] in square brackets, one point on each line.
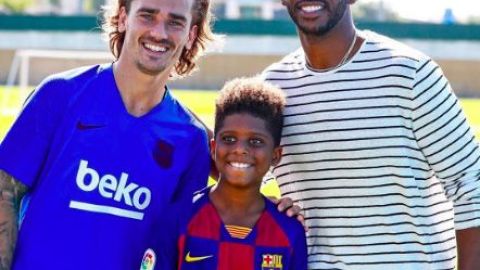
[11, 192]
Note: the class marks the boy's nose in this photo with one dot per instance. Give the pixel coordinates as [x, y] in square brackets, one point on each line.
[241, 147]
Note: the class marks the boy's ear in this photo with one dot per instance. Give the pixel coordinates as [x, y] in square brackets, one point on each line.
[212, 148]
[277, 155]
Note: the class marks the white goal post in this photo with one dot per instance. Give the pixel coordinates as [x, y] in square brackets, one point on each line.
[21, 61]
[20, 68]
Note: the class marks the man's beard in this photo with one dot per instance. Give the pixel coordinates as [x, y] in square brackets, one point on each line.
[321, 29]
[166, 64]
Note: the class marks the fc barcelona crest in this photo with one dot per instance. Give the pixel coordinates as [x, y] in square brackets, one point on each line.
[272, 262]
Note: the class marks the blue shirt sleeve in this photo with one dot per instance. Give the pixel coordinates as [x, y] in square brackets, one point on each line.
[25, 148]
[195, 177]
[299, 258]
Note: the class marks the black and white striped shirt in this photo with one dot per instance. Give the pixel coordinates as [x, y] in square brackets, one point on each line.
[379, 155]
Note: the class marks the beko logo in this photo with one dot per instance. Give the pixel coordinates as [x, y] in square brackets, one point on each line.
[109, 187]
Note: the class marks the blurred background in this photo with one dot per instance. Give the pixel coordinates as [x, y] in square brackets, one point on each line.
[41, 37]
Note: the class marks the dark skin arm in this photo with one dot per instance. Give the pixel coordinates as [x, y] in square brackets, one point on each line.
[468, 244]
[11, 192]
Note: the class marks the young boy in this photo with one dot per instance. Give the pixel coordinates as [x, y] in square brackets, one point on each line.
[231, 225]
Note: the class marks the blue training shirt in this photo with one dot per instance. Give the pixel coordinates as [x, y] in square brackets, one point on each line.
[101, 181]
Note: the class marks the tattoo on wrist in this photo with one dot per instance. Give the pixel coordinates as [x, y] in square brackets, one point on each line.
[11, 192]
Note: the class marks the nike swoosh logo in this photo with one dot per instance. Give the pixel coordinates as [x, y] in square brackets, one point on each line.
[82, 126]
[189, 258]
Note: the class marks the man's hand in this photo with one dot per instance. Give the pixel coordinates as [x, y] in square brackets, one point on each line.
[468, 244]
[285, 205]
[11, 192]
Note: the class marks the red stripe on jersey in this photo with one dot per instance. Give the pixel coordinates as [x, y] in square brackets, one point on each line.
[233, 256]
[206, 223]
[270, 233]
[181, 248]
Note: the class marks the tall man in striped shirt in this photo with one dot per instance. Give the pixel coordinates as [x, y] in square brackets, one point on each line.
[377, 150]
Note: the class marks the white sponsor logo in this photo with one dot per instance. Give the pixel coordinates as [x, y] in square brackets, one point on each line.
[110, 187]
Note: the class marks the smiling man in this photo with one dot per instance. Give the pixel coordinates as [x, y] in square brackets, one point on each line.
[376, 149]
[105, 153]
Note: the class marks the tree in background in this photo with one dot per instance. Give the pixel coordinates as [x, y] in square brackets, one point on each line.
[474, 20]
[374, 11]
[93, 6]
[55, 3]
[15, 6]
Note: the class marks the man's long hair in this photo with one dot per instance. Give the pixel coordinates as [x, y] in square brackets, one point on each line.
[201, 17]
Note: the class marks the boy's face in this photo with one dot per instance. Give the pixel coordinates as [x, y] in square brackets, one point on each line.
[243, 150]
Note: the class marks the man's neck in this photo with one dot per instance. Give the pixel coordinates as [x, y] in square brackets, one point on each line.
[328, 50]
[140, 92]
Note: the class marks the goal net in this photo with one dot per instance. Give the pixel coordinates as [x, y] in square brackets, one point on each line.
[32, 63]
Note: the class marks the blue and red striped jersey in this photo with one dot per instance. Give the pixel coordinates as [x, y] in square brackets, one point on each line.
[275, 242]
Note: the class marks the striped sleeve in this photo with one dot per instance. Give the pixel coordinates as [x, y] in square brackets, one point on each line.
[447, 142]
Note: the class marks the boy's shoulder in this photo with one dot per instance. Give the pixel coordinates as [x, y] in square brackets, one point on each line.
[279, 219]
[290, 225]
[200, 199]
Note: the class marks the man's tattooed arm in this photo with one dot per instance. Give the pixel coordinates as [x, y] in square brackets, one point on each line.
[11, 192]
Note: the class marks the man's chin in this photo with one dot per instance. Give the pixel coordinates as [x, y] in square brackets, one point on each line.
[312, 31]
[151, 70]
[310, 28]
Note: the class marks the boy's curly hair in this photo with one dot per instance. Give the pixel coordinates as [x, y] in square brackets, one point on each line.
[253, 96]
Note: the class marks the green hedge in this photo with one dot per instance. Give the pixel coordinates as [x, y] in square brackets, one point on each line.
[250, 27]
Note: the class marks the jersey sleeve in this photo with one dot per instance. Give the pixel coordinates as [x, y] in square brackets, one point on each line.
[24, 149]
[443, 134]
[299, 257]
[195, 176]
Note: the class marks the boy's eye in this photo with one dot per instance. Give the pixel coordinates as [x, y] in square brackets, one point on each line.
[256, 141]
[228, 139]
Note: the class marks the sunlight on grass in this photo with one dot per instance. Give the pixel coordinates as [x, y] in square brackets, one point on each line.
[202, 103]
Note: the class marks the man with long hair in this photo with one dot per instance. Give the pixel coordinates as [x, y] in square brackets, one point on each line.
[104, 155]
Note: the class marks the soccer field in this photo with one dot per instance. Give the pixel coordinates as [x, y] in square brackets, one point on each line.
[201, 102]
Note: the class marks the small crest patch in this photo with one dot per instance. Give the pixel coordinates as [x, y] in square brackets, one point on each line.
[163, 154]
[272, 262]
[148, 261]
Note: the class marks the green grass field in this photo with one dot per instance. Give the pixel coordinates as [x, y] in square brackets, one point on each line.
[202, 103]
